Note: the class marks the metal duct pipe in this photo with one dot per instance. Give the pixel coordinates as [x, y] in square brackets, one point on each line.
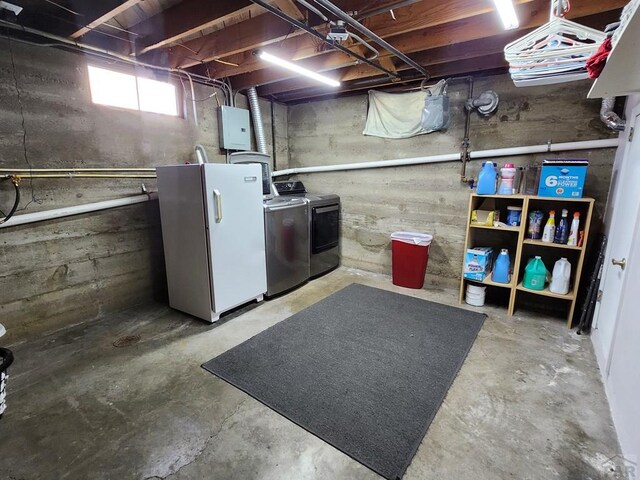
[609, 117]
[258, 126]
[376, 38]
[318, 35]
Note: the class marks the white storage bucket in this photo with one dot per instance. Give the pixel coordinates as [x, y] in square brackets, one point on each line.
[477, 289]
[475, 295]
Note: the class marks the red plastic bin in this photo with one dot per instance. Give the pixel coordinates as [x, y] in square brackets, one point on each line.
[409, 257]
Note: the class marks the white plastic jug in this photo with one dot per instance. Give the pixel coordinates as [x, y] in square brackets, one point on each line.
[561, 277]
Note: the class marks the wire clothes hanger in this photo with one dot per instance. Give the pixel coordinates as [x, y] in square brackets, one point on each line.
[556, 52]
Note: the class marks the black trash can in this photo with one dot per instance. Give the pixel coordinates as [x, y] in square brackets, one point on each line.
[6, 359]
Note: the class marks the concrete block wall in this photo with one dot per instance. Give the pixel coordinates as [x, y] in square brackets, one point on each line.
[430, 198]
[63, 272]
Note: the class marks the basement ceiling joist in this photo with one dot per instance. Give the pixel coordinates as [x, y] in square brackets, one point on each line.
[219, 38]
[475, 42]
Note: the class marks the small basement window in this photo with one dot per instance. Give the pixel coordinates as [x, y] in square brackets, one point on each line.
[123, 90]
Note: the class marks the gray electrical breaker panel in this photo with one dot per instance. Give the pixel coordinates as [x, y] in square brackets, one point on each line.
[235, 133]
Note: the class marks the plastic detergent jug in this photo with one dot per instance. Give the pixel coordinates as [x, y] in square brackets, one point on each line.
[501, 267]
[561, 277]
[535, 274]
[487, 179]
[507, 174]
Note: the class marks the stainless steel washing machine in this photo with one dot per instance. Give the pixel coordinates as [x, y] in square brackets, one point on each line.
[286, 221]
[324, 226]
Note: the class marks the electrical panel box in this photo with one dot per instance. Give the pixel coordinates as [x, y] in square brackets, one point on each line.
[235, 133]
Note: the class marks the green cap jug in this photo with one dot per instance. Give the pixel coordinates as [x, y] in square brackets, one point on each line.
[535, 274]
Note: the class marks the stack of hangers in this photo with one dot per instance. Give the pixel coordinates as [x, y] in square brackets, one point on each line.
[556, 52]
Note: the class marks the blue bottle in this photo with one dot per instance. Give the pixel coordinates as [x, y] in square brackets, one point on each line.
[562, 230]
[501, 267]
[487, 179]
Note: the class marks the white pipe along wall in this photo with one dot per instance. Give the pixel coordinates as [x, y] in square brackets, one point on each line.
[77, 210]
[452, 157]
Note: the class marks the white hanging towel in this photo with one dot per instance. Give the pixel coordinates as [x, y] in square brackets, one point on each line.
[395, 115]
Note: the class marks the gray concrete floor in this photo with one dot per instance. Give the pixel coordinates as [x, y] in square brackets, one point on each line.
[527, 404]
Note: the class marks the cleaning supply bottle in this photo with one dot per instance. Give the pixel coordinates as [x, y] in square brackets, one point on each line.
[562, 231]
[572, 241]
[487, 179]
[501, 267]
[561, 277]
[550, 228]
[507, 174]
[535, 274]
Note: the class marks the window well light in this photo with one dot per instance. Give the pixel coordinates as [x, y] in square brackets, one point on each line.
[298, 69]
[507, 14]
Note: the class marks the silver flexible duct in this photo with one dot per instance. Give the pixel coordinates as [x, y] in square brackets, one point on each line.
[609, 117]
[258, 126]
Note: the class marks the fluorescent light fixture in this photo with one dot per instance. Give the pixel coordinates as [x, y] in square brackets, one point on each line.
[298, 69]
[507, 14]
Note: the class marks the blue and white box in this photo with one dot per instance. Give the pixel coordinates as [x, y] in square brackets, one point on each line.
[478, 263]
[563, 177]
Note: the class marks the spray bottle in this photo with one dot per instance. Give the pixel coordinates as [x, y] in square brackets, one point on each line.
[573, 234]
[550, 228]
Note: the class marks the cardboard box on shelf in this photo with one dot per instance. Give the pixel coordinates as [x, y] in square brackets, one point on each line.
[478, 263]
[487, 214]
[563, 177]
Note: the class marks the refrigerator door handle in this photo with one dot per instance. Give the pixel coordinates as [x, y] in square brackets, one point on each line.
[217, 196]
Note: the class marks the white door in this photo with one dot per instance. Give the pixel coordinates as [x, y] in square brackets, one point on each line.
[623, 374]
[235, 220]
[627, 203]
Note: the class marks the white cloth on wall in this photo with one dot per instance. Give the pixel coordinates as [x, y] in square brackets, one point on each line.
[397, 115]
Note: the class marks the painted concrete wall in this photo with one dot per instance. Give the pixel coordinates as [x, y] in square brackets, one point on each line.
[62, 272]
[430, 198]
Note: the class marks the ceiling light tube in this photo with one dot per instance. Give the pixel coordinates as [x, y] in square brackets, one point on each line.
[507, 14]
[298, 69]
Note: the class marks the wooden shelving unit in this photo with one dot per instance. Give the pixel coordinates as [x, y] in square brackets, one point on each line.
[521, 248]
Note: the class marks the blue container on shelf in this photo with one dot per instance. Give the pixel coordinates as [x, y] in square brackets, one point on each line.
[502, 267]
[514, 216]
[487, 179]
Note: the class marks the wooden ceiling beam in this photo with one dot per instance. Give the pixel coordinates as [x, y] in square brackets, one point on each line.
[184, 19]
[464, 67]
[429, 58]
[105, 17]
[486, 26]
[252, 33]
[325, 63]
[304, 47]
[290, 8]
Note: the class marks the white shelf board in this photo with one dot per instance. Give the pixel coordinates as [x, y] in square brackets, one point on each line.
[621, 75]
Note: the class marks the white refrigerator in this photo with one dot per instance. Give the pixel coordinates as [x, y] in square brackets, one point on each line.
[213, 236]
